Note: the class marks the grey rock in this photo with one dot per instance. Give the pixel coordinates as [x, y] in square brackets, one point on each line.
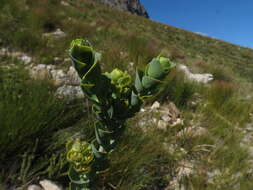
[186, 168]
[49, 185]
[58, 33]
[70, 92]
[39, 72]
[166, 118]
[132, 6]
[50, 67]
[68, 83]
[200, 78]
[162, 116]
[247, 138]
[155, 105]
[73, 77]
[64, 3]
[34, 187]
[162, 125]
[59, 77]
[175, 185]
[3, 51]
[170, 112]
[142, 110]
[26, 59]
[177, 123]
[57, 60]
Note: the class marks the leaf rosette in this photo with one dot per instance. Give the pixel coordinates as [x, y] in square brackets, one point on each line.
[154, 74]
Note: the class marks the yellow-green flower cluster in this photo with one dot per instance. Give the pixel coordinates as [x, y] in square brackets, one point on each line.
[79, 153]
[120, 79]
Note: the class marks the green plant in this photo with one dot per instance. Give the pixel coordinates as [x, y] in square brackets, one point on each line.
[30, 116]
[114, 100]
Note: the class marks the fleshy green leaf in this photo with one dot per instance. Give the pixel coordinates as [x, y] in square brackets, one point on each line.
[138, 83]
[155, 70]
[148, 82]
[98, 153]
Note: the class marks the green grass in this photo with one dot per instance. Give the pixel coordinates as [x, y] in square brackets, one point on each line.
[41, 124]
[137, 163]
[177, 89]
[30, 115]
[224, 115]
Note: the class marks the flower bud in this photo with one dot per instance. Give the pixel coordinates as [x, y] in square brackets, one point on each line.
[119, 78]
[80, 155]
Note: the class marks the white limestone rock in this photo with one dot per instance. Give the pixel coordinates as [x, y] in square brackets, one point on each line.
[49, 185]
[26, 59]
[155, 105]
[200, 78]
[56, 34]
[70, 92]
[34, 187]
[59, 77]
[162, 125]
[40, 72]
[73, 77]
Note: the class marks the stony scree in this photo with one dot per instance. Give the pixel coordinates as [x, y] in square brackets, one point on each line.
[132, 6]
[161, 116]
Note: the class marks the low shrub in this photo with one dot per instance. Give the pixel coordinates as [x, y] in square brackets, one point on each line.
[30, 114]
[177, 89]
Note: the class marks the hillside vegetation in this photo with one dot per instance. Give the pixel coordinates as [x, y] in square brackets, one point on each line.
[35, 125]
[22, 24]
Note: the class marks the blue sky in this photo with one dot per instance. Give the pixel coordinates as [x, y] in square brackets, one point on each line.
[228, 20]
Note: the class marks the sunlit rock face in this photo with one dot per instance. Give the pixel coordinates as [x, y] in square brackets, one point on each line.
[133, 6]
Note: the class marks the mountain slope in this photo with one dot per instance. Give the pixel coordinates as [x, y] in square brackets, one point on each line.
[22, 25]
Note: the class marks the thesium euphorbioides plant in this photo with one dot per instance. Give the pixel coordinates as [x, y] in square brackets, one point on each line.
[115, 99]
